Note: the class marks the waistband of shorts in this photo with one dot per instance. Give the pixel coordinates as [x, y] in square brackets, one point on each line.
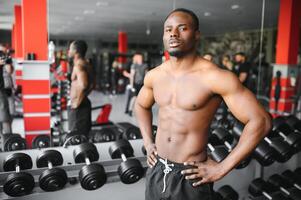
[176, 165]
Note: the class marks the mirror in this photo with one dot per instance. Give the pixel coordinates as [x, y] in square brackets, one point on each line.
[226, 28]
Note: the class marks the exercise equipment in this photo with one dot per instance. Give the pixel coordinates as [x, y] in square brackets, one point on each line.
[226, 138]
[130, 170]
[92, 176]
[280, 127]
[228, 193]
[41, 141]
[51, 179]
[19, 183]
[259, 187]
[282, 151]
[12, 142]
[285, 186]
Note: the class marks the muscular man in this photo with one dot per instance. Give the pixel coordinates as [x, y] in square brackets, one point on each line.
[242, 67]
[188, 89]
[81, 86]
[5, 117]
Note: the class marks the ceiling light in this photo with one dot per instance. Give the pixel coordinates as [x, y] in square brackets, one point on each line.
[89, 12]
[207, 14]
[102, 3]
[234, 7]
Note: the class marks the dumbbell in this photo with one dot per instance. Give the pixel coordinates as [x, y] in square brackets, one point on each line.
[284, 186]
[51, 179]
[41, 141]
[280, 127]
[74, 138]
[293, 178]
[130, 132]
[217, 153]
[103, 135]
[12, 142]
[298, 172]
[106, 133]
[294, 122]
[92, 175]
[129, 170]
[283, 152]
[19, 183]
[259, 187]
[228, 193]
[223, 135]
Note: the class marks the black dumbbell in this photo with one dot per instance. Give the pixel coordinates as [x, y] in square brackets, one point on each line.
[259, 187]
[92, 175]
[284, 186]
[280, 127]
[228, 193]
[12, 142]
[293, 178]
[130, 170]
[19, 183]
[51, 179]
[294, 123]
[41, 141]
[74, 138]
[130, 132]
[103, 135]
[217, 153]
[298, 172]
[283, 152]
[223, 135]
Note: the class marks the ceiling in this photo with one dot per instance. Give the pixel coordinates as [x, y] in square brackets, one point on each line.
[102, 19]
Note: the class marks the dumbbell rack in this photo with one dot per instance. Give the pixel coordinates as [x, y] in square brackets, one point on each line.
[114, 189]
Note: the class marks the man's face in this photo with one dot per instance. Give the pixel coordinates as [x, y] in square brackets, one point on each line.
[238, 58]
[71, 51]
[180, 36]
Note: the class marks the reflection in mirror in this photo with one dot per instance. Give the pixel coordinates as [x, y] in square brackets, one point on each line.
[115, 30]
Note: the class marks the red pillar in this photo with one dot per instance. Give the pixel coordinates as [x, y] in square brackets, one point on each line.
[122, 45]
[36, 77]
[286, 54]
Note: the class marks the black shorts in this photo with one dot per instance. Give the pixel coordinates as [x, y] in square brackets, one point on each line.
[175, 186]
[79, 119]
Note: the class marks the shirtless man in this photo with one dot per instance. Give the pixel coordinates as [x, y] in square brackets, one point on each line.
[188, 90]
[81, 85]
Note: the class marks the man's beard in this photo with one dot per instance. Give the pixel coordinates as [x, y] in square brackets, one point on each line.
[177, 53]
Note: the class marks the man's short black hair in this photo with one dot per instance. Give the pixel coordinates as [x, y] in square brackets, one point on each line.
[80, 47]
[194, 17]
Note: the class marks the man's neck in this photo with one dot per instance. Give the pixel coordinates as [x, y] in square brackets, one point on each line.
[183, 63]
[76, 59]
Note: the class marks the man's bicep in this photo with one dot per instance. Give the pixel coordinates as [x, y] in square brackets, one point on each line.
[243, 104]
[146, 97]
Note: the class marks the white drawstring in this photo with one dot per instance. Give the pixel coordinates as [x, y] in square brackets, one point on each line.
[165, 171]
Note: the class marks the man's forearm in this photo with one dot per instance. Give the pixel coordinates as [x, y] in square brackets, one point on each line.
[144, 117]
[252, 134]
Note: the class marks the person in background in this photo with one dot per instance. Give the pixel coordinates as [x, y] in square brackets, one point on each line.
[242, 67]
[5, 92]
[227, 63]
[209, 56]
[136, 77]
